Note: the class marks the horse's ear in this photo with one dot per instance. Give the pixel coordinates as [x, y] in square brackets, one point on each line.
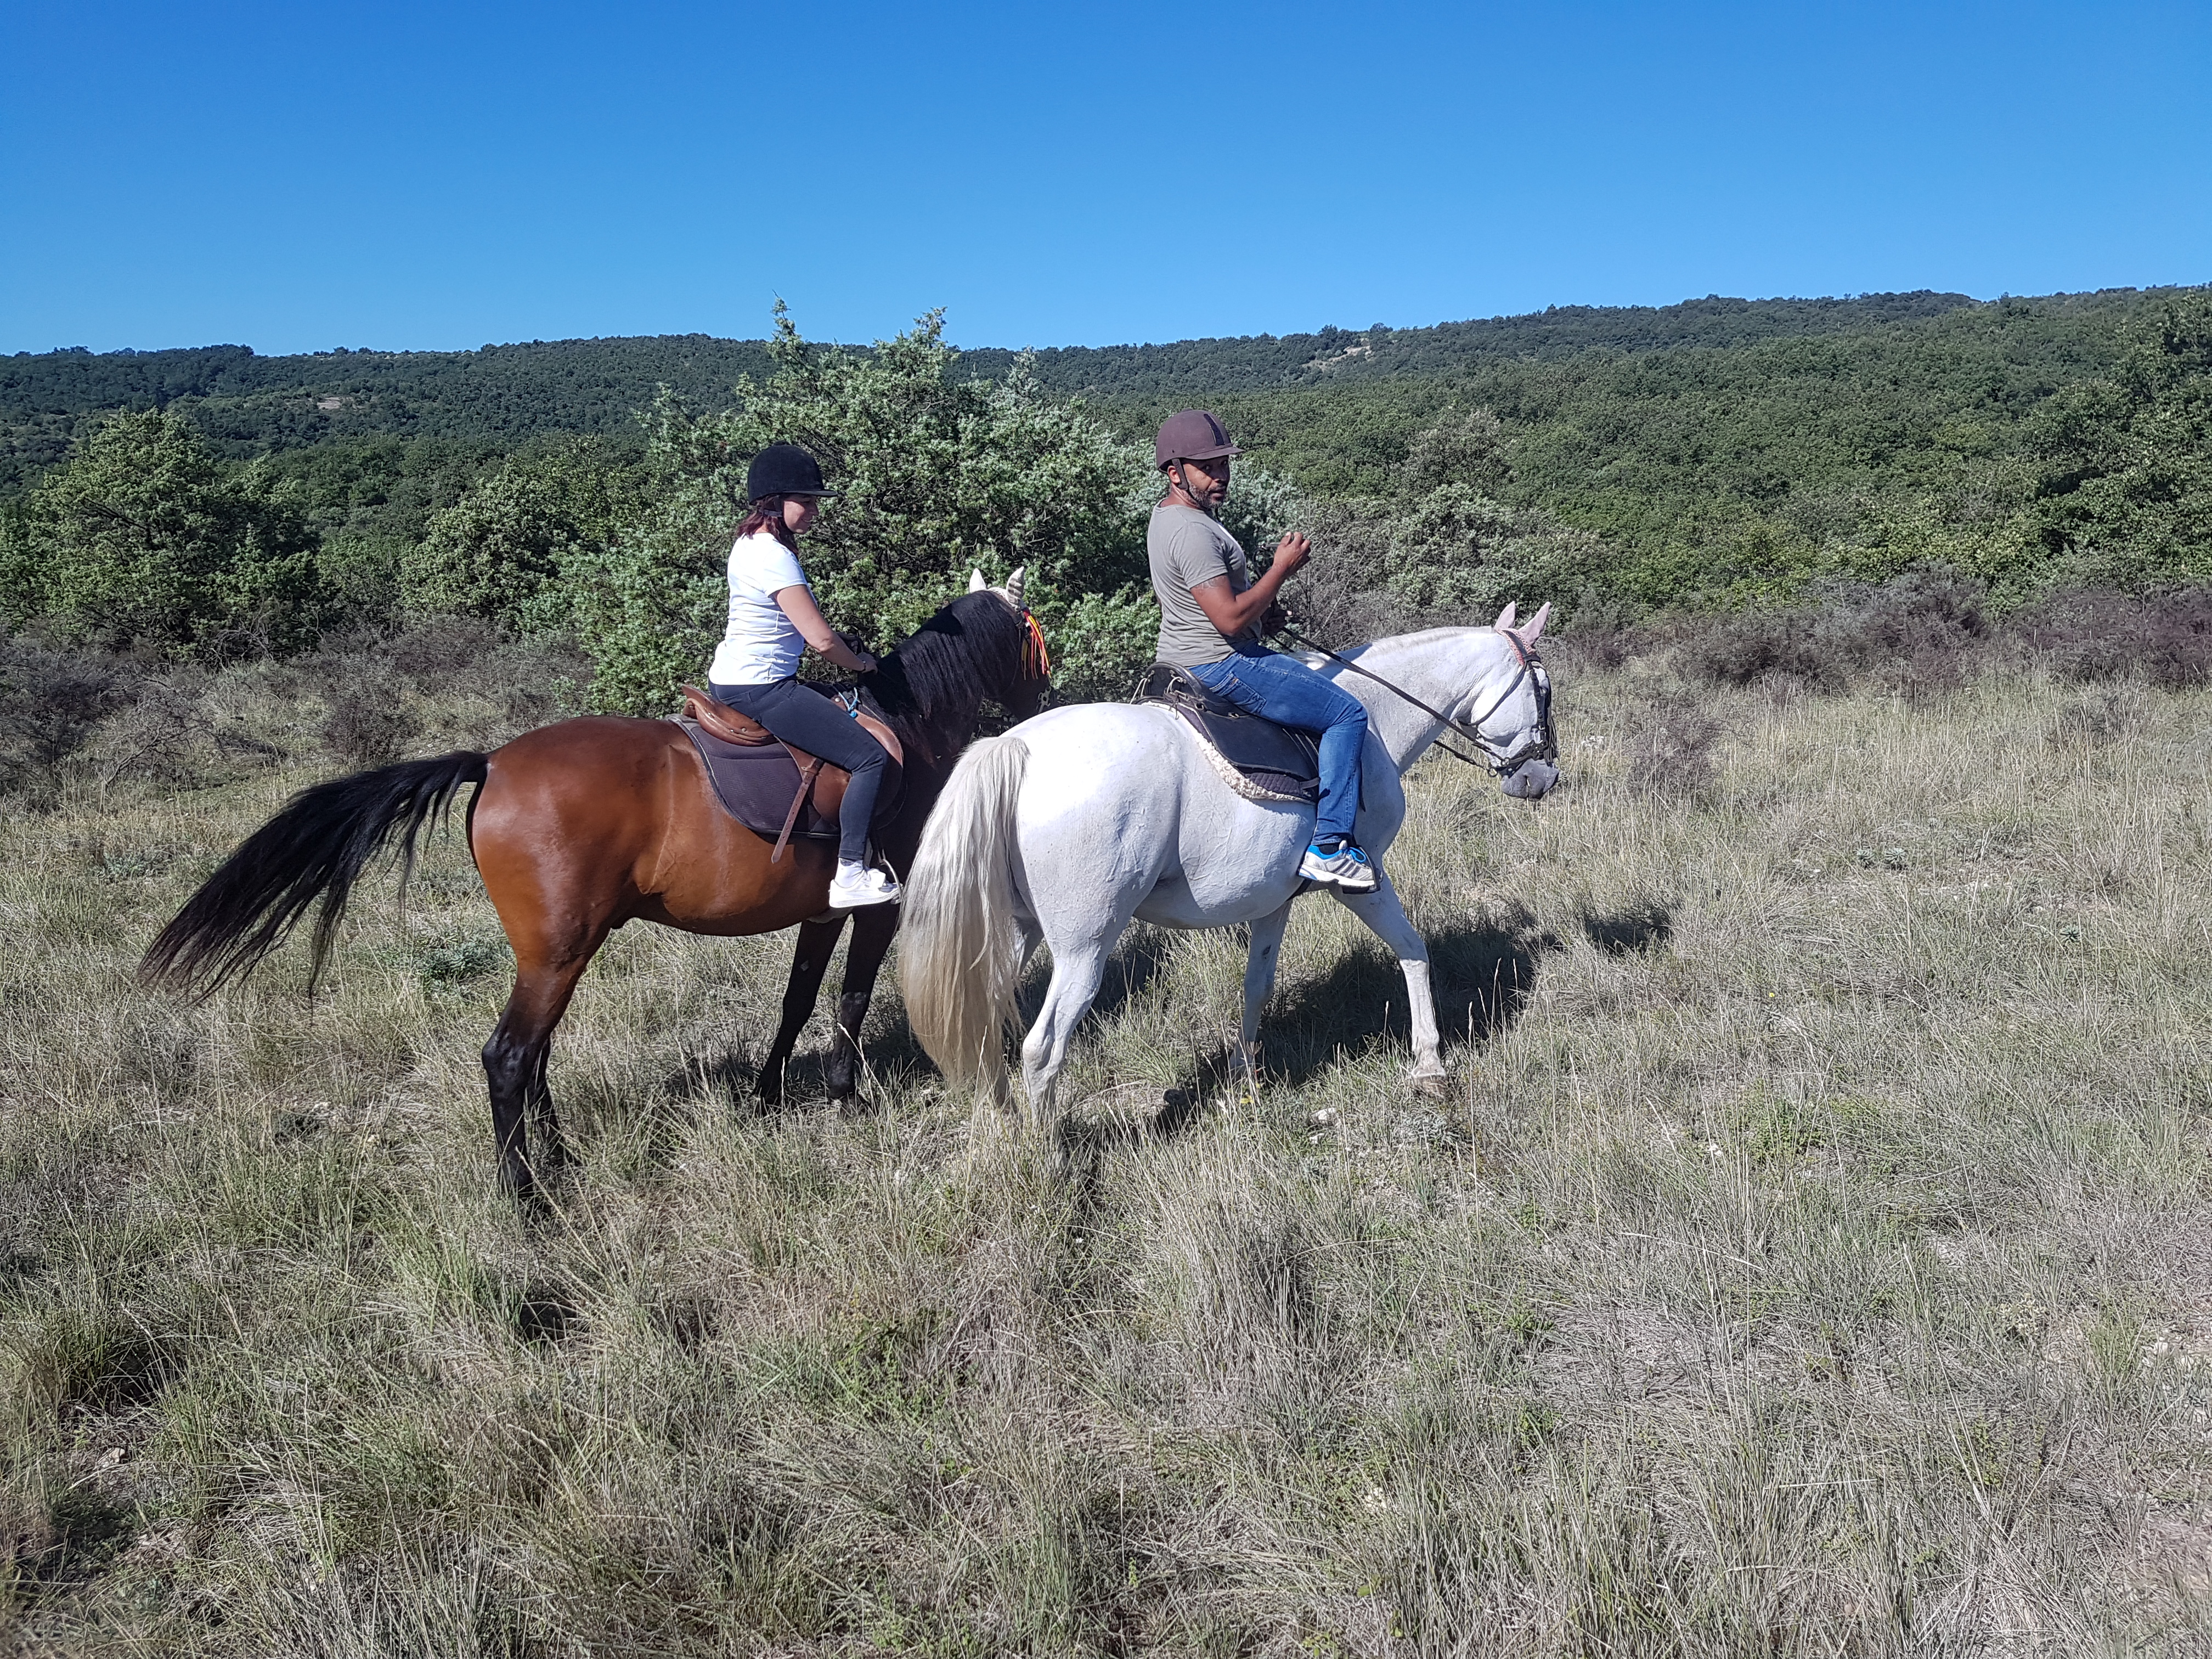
[1536, 624]
[1014, 585]
[976, 583]
[1504, 617]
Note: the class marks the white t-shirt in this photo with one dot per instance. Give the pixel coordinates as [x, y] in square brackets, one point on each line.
[761, 645]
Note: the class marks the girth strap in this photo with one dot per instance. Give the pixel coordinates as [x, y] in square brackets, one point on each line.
[806, 774]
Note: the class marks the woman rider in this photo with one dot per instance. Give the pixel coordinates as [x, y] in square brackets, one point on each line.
[1211, 613]
[773, 621]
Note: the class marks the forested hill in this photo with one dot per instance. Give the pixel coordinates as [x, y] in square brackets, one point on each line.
[1201, 369]
[247, 404]
[504, 394]
[1709, 453]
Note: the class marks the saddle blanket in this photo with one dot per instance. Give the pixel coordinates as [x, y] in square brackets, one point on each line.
[755, 783]
[1273, 761]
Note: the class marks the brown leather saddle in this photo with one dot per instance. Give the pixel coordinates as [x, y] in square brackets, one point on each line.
[1277, 762]
[772, 787]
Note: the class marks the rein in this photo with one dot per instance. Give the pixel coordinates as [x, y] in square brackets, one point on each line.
[1494, 759]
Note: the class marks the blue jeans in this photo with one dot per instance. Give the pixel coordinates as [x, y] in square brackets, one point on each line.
[1286, 691]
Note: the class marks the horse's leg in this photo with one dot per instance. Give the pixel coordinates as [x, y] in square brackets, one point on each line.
[1031, 935]
[872, 929]
[1260, 966]
[1076, 973]
[1078, 964]
[1386, 917]
[552, 1159]
[514, 1063]
[809, 962]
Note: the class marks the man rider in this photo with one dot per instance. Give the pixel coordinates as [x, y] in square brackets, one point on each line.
[1210, 615]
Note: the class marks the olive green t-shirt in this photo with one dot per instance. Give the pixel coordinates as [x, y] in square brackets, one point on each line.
[1187, 547]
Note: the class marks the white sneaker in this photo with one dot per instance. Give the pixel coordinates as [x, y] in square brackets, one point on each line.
[1345, 868]
[858, 885]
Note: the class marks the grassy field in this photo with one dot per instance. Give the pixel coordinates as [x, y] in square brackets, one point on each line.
[1810, 1256]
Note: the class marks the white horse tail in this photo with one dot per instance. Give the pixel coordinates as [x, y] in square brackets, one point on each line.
[957, 938]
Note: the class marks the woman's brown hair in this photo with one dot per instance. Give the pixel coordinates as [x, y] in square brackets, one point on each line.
[768, 514]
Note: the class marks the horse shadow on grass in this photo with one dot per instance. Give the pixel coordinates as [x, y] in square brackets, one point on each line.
[1481, 973]
[1626, 933]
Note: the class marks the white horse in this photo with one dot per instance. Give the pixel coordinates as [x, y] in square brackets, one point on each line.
[1082, 818]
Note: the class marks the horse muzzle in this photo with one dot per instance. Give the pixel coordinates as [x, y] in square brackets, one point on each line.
[1532, 780]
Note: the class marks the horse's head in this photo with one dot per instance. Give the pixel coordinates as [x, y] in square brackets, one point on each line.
[1023, 692]
[1513, 723]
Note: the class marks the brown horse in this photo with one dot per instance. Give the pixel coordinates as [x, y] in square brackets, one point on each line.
[579, 827]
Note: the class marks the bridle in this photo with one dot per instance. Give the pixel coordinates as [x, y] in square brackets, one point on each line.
[1540, 744]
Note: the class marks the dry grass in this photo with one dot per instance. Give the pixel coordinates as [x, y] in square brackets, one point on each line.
[1812, 1259]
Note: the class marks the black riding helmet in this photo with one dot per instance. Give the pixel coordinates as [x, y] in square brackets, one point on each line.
[784, 470]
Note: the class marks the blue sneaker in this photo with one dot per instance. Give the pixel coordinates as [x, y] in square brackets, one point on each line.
[1342, 866]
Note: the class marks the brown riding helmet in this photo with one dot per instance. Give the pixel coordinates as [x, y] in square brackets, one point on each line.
[1192, 435]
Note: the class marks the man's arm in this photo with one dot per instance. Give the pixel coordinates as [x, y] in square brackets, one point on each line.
[1233, 612]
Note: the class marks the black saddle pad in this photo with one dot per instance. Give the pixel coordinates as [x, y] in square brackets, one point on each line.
[1281, 761]
[755, 783]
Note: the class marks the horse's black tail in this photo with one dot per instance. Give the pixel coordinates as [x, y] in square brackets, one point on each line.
[316, 847]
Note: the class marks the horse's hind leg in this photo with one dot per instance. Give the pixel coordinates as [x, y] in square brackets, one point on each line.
[1078, 964]
[810, 960]
[514, 1068]
[1028, 936]
[1075, 977]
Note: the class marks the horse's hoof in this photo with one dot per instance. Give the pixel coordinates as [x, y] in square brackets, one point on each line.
[1429, 1084]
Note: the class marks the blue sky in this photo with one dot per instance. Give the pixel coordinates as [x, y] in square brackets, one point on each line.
[403, 175]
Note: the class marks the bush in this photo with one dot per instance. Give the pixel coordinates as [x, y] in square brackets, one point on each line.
[939, 474]
[369, 722]
[2163, 638]
[1670, 747]
[444, 680]
[144, 539]
[50, 701]
[511, 551]
[1912, 634]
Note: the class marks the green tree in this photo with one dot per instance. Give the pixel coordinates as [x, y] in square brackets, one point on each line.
[515, 548]
[2127, 483]
[1446, 548]
[144, 536]
[1466, 447]
[939, 472]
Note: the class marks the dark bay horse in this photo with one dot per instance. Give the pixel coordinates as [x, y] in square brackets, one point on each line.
[582, 826]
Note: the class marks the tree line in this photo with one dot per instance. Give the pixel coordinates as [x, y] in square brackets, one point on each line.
[1721, 453]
